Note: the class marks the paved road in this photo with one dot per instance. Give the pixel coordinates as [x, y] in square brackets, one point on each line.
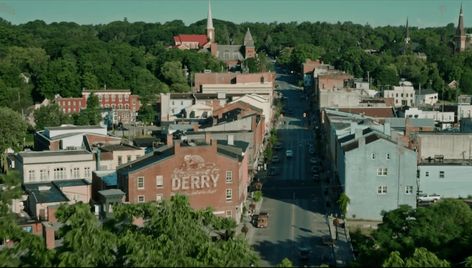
[292, 198]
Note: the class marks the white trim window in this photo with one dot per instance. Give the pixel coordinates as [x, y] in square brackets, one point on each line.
[140, 183]
[229, 194]
[382, 171]
[76, 173]
[229, 213]
[43, 174]
[409, 189]
[229, 176]
[31, 175]
[141, 199]
[158, 197]
[382, 189]
[87, 172]
[59, 173]
[159, 181]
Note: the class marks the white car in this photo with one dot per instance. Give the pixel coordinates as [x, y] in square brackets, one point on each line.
[429, 197]
[289, 153]
[275, 159]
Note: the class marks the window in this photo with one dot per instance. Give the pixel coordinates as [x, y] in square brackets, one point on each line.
[229, 176]
[87, 172]
[158, 197]
[387, 156]
[140, 198]
[43, 174]
[140, 182]
[408, 189]
[159, 181]
[382, 189]
[382, 172]
[229, 213]
[76, 173]
[120, 98]
[229, 194]
[107, 97]
[441, 174]
[31, 175]
[126, 97]
[426, 174]
[59, 173]
[129, 158]
[372, 155]
[120, 160]
[113, 97]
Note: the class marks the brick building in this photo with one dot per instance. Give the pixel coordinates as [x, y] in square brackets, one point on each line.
[211, 173]
[123, 104]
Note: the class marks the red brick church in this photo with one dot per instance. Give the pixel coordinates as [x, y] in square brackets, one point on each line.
[232, 55]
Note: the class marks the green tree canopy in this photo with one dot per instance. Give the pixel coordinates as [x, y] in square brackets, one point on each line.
[50, 116]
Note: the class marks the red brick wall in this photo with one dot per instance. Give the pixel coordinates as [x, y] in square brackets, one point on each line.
[52, 214]
[309, 66]
[215, 196]
[328, 82]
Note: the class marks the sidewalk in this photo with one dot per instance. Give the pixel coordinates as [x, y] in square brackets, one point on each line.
[246, 220]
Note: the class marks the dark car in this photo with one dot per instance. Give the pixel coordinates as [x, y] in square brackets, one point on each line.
[304, 254]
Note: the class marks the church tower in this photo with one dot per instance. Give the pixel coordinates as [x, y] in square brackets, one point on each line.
[210, 29]
[407, 37]
[460, 33]
[249, 48]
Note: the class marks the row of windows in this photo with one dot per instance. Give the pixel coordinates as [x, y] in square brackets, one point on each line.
[128, 157]
[373, 155]
[113, 97]
[442, 174]
[382, 189]
[406, 95]
[142, 199]
[160, 180]
[59, 173]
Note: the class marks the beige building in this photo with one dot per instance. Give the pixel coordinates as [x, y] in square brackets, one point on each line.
[403, 95]
[112, 156]
[46, 166]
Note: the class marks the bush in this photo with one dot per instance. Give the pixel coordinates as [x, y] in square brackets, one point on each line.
[257, 196]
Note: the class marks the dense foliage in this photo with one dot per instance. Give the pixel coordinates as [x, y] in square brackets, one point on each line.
[440, 235]
[39, 60]
[172, 235]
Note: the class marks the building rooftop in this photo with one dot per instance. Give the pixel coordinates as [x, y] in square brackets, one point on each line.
[118, 147]
[371, 111]
[45, 192]
[71, 183]
[26, 154]
[111, 192]
[101, 90]
[425, 91]
[446, 162]
[68, 127]
[413, 122]
[235, 151]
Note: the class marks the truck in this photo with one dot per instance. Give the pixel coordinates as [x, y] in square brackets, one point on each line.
[429, 198]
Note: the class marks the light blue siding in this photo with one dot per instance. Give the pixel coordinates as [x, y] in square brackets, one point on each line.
[457, 181]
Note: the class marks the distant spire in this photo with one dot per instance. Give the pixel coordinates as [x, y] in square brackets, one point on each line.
[248, 41]
[407, 33]
[210, 29]
[209, 19]
[460, 25]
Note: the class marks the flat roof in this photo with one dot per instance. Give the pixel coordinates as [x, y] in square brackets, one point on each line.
[119, 147]
[67, 127]
[53, 153]
[45, 192]
[110, 192]
[70, 183]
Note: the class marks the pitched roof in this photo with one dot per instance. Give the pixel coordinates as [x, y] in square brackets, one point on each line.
[230, 52]
[248, 41]
[45, 192]
[200, 38]
[371, 111]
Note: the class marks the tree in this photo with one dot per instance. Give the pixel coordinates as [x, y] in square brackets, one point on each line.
[394, 260]
[343, 203]
[93, 110]
[49, 116]
[12, 132]
[424, 258]
[285, 263]
[85, 243]
[26, 249]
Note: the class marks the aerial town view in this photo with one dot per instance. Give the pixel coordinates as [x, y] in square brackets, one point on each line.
[235, 133]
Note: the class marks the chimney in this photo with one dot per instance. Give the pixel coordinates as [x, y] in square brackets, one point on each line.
[353, 127]
[207, 138]
[387, 129]
[170, 139]
[359, 137]
[230, 139]
[48, 235]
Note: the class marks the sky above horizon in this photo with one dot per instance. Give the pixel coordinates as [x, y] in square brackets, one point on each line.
[421, 13]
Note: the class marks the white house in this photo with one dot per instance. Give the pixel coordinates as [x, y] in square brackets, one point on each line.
[426, 96]
[403, 95]
[444, 118]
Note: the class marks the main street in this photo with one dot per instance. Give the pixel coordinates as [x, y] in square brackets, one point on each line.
[292, 197]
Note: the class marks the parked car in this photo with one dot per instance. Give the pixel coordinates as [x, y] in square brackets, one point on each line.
[314, 160]
[278, 145]
[315, 169]
[304, 253]
[275, 159]
[429, 197]
[289, 153]
[262, 220]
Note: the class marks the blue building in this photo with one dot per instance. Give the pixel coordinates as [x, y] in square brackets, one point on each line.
[377, 173]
